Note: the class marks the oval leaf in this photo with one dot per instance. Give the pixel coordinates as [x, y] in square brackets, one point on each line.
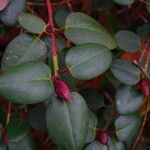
[9, 15]
[17, 132]
[128, 99]
[81, 28]
[124, 2]
[26, 83]
[22, 49]
[127, 126]
[115, 145]
[88, 60]
[3, 4]
[68, 121]
[31, 23]
[125, 71]
[128, 41]
[96, 146]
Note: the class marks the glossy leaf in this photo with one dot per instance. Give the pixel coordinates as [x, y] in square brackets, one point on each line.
[17, 129]
[127, 126]
[128, 99]
[27, 143]
[9, 15]
[96, 146]
[68, 122]
[124, 2]
[81, 28]
[115, 145]
[26, 83]
[128, 41]
[31, 23]
[88, 60]
[93, 99]
[3, 4]
[125, 71]
[92, 127]
[23, 48]
[37, 119]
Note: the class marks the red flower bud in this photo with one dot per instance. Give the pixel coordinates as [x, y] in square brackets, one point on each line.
[144, 86]
[61, 89]
[102, 136]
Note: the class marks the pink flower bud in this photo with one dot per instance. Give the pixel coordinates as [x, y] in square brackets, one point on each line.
[102, 136]
[62, 89]
[144, 86]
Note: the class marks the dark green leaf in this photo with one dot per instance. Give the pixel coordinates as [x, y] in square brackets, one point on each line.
[22, 49]
[17, 129]
[9, 15]
[96, 146]
[37, 119]
[26, 83]
[124, 2]
[115, 145]
[81, 28]
[60, 15]
[127, 127]
[27, 143]
[31, 23]
[128, 41]
[68, 122]
[128, 99]
[92, 127]
[148, 5]
[87, 61]
[93, 99]
[125, 71]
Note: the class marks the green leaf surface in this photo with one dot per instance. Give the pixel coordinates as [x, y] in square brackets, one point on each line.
[128, 41]
[87, 61]
[115, 145]
[125, 71]
[17, 129]
[27, 143]
[128, 99]
[96, 146]
[148, 5]
[37, 118]
[26, 83]
[92, 127]
[124, 2]
[81, 28]
[93, 99]
[60, 15]
[68, 122]
[23, 48]
[9, 15]
[31, 23]
[127, 127]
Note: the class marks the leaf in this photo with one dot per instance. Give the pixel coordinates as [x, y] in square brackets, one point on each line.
[31, 23]
[124, 2]
[9, 15]
[37, 119]
[128, 99]
[92, 127]
[27, 143]
[128, 41]
[2, 145]
[17, 129]
[148, 5]
[68, 122]
[27, 83]
[3, 4]
[60, 15]
[96, 146]
[93, 99]
[125, 71]
[127, 127]
[115, 145]
[81, 28]
[23, 48]
[88, 61]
